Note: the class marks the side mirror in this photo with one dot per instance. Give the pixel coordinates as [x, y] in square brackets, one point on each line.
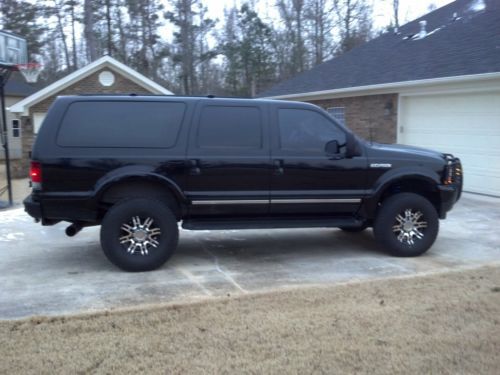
[351, 146]
[332, 148]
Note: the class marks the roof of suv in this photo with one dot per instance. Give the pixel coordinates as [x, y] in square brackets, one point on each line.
[133, 97]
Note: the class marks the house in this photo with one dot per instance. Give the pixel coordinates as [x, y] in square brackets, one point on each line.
[15, 90]
[103, 76]
[433, 83]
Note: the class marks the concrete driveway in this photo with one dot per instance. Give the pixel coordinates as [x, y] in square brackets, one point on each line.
[43, 272]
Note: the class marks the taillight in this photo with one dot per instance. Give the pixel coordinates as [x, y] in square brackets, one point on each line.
[36, 173]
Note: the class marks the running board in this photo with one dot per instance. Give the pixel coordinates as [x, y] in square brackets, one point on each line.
[270, 223]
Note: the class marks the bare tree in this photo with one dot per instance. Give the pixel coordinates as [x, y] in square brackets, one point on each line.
[319, 16]
[122, 38]
[70, 8]
[355, 23]
[109, 34]
[56, 10]
[298, 7]
[395, 9]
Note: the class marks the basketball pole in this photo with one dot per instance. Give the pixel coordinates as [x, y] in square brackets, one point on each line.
[5, 141]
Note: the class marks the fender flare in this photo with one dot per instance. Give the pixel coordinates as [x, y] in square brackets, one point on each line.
[136, 172]
[390, 177]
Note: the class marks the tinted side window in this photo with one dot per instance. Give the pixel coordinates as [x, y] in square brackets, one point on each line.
[230, 127]
[305, 130]
[121, 124]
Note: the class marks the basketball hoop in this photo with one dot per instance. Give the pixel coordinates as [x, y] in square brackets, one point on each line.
[13, 56]
[30, 71]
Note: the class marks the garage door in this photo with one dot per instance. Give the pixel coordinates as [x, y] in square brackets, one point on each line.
[466, 125]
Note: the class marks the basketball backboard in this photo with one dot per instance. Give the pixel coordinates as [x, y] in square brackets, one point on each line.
[13, 49]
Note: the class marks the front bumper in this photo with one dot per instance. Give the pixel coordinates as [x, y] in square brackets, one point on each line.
[449, 195]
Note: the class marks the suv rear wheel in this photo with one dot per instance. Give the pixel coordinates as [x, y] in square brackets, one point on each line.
[139, 234]
[406, 225]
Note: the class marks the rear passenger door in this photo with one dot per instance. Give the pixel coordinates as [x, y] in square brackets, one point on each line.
[229, 159]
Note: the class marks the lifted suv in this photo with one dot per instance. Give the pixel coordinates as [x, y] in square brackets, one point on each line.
[139, 165]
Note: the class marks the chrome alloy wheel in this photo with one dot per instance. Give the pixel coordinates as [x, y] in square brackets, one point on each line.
[140, 236]
[409, 226]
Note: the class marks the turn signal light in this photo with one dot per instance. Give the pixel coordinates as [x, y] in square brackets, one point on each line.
[36, 172]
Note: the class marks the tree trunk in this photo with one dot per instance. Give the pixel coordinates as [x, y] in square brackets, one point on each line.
[395, 8]
[88, 30]
[109, 36]
[121, 33]
[60, 26]
[73, 35]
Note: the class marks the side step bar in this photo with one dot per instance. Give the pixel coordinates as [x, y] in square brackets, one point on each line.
[270, 223]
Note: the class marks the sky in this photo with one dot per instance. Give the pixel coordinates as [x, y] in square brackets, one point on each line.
[409, 9]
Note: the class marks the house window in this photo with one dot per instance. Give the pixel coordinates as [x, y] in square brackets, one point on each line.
[15, 128]
[338, 113]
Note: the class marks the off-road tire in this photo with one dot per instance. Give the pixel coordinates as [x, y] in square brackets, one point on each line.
[392, 234]
[117, 247]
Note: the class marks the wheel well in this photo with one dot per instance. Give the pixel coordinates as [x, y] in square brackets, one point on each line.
[137, 188]
[424, 188]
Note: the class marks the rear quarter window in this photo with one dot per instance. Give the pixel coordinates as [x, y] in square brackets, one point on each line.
[121, 124]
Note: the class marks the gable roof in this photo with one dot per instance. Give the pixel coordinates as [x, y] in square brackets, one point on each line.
[462, 40]
[17, 86]
[87, 70]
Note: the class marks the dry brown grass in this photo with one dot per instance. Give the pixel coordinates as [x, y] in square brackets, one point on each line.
[448, 323]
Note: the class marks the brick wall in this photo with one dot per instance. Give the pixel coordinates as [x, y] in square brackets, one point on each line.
[87, 85]
[371, 117]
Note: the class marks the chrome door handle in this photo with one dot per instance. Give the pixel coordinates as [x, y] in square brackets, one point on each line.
[278, 167]
[194, 167]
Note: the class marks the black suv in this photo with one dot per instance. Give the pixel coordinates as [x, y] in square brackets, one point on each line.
[138, 165]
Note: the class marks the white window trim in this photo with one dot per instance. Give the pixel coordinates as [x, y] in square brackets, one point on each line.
[332, 111]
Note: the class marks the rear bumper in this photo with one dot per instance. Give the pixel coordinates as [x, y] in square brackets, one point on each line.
[34, 209]
[53, 209]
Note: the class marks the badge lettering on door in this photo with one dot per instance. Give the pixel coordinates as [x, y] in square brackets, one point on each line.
[380, 165]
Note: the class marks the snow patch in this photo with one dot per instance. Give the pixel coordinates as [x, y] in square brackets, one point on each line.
[11, 237]
[477, 6]
[10, 216]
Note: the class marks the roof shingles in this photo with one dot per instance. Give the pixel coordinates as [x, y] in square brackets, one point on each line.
[467, 45]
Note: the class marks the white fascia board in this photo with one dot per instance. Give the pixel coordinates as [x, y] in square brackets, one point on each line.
[23, 106]
[385, 88]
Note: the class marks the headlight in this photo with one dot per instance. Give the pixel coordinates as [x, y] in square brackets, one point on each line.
[453, 171]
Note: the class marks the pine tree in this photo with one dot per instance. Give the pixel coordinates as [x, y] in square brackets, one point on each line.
[188, 50]
[246, 46]
[20, 17]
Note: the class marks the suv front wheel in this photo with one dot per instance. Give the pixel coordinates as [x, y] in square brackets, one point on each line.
[139, 234]
[406, 225]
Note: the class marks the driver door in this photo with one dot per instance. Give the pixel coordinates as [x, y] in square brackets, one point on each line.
[305, 180]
